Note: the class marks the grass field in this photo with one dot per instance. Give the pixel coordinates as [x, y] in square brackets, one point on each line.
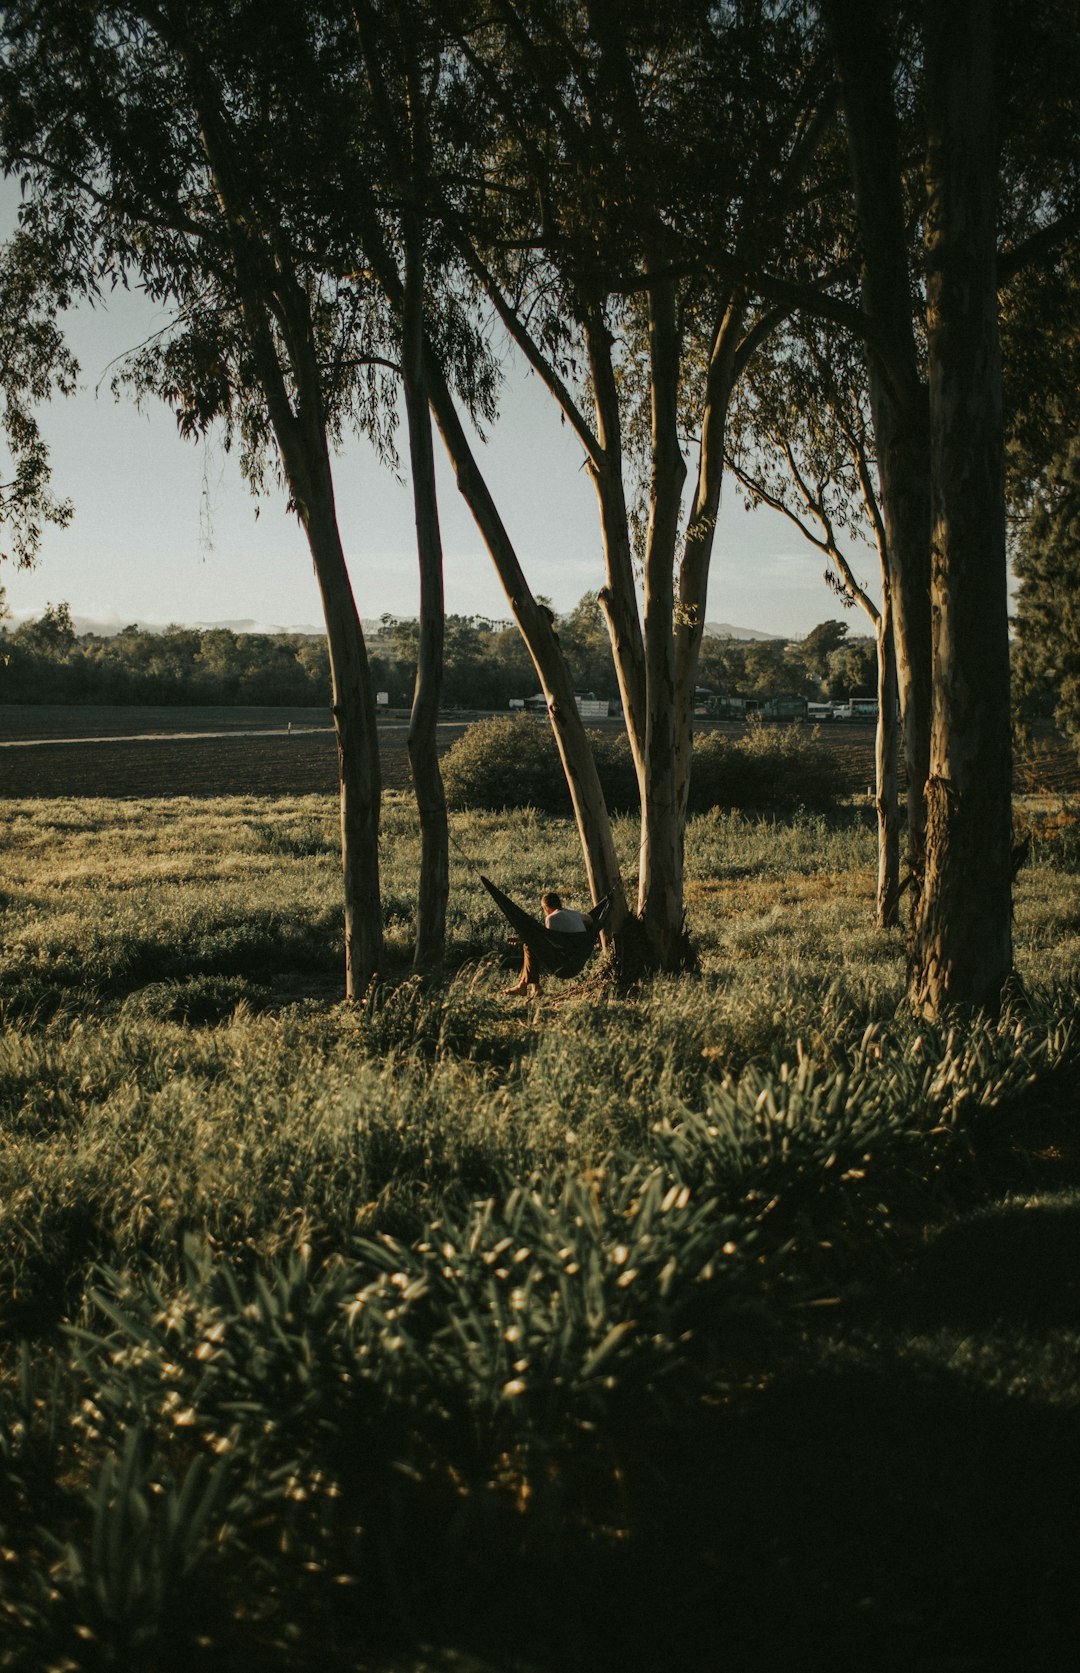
[734, 1322]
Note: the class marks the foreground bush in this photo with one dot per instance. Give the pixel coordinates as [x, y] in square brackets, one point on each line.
[228, 1455]
[513, 762]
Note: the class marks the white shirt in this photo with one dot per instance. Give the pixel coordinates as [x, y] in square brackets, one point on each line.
[566, 920]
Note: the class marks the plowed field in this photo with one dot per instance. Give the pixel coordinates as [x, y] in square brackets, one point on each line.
[97, 751]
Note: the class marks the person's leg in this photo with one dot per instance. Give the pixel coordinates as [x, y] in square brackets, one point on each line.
[523, 980]
[529, 980]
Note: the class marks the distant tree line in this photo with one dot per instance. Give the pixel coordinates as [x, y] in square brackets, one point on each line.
[47, 661]
[487, 665]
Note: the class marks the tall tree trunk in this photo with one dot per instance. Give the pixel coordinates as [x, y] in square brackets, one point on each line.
[269, 292]
[305, 452]
[618, 599]
[434, 887]
[660, 890]
[725, 364]
[902, 443]
[897, 397]
[537, 630]
[357, 747]
[887, 771]
[963, 946]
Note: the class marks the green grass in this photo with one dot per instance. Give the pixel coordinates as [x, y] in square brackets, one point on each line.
[731, 1319]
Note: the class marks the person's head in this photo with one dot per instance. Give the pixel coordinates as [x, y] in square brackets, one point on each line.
[551, 902]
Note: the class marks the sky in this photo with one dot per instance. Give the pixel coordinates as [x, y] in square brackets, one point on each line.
[166, 531]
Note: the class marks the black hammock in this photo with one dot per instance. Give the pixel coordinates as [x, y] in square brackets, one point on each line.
[559, 952]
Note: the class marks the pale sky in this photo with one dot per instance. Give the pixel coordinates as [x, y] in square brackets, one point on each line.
[166, 531]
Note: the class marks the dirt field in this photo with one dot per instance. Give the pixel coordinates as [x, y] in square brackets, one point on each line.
[97, 751]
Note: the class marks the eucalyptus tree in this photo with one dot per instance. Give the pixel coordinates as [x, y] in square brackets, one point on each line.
[401, 64]
[639, 161]
[430, 156]
[206, 153]
[158, 136]
[962, 130]
[963, 932]
[1003, 200]
[878, 62]
[801, 441]
[427, 184]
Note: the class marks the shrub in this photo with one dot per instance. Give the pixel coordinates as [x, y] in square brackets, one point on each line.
[503, 763]
[770, 769]
[499, 763]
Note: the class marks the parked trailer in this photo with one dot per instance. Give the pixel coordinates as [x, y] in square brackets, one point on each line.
[714, 703]
[784, 708]
[859, 708]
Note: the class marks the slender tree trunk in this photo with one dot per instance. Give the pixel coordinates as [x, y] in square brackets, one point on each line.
[887, 772]
[660, 891]
[306, 456]
[358, 750]
[700, 536]
[618, 600]
[269, 291]
[963, 944]
[904, 468]
[434, 888]
[898, 400]
[536, 627]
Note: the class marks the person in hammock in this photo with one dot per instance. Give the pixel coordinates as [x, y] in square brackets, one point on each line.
[557, 917]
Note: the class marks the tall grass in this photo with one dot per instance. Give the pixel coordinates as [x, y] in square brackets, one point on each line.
[323, 1324]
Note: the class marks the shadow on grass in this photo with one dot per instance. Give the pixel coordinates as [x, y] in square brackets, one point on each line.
[871, 1519]
[1015, 1262]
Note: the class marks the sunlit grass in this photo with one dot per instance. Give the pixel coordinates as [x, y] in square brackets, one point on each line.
[326, 1311]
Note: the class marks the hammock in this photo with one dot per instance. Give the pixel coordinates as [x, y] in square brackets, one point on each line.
[559, 952]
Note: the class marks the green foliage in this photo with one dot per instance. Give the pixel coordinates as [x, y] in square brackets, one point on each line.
[220, 1443]
[35, 363]
[1047, 561]
[513, 762]
[485, 663]
[769, 768]
[48, 662]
